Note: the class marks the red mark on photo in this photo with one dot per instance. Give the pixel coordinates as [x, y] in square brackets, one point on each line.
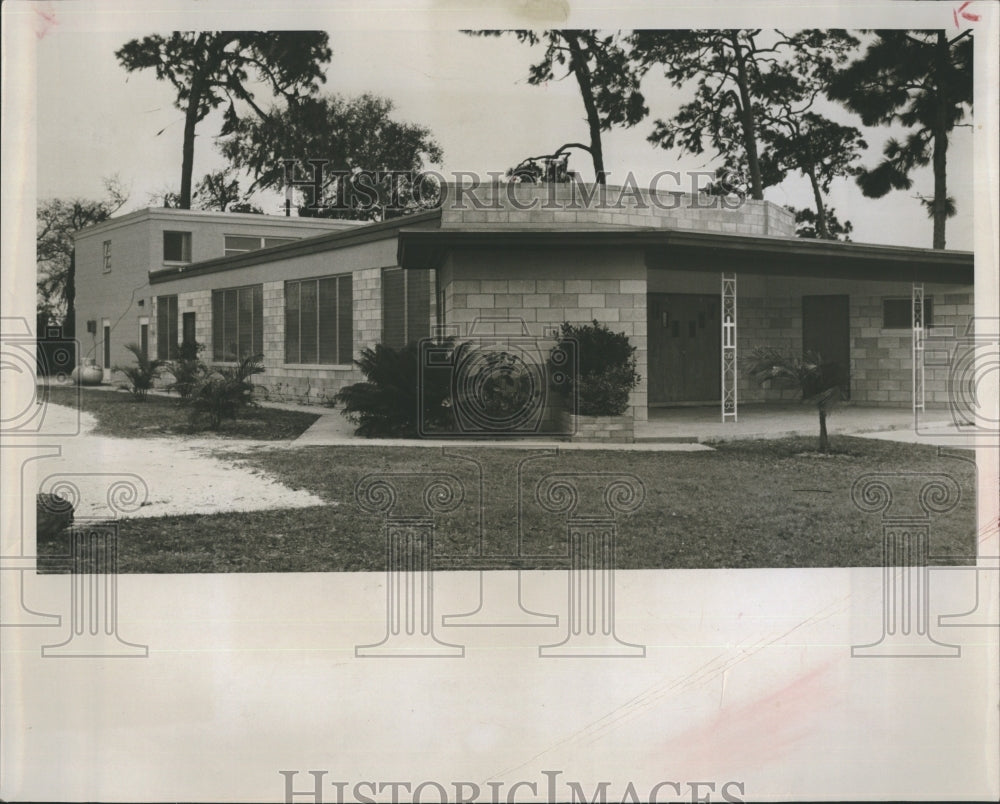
[46, 21]
[965, 15]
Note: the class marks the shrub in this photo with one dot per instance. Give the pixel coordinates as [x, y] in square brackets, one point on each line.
[188, 369]
[606, 373]
[141, 376]
[53, 514]
[222, 393]
[390, 401]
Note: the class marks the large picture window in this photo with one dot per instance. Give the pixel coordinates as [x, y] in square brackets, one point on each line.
[406, 306]
[237, 322]
[166, 327]
[319, 320]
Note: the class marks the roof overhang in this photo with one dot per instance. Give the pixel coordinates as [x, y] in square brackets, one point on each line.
[707, 251]
[330, 241]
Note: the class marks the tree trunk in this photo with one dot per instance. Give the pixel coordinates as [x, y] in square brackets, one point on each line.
[746, 113]
[821, 227]
[187, 158]
[69, 294]
[942, 58]
[578, 64]
[191, 121]
[824, 440]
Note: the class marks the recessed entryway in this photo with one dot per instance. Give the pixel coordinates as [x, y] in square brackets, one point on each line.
[685, 342]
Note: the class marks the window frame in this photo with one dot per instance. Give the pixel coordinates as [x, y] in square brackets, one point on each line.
[431, 290]
[261, 239]
[928, 312]
[185, 249]
[340, 279]
[256, 333]
[172, 325]
[106, 251]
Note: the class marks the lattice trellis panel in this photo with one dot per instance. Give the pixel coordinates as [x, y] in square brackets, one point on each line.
[729, 376]
[918, 348]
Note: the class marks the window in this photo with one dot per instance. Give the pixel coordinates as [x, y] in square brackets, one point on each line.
[107, 256]
[166, 327]
[107, 344]
[237, 322]
[319, 322]
[898, 313]
[406, 306]
[187, 328]
[177, 247]
[144, 335]
[241, 244]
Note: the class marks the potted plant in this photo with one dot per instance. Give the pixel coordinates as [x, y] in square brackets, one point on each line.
[88, 373]
[596, 399]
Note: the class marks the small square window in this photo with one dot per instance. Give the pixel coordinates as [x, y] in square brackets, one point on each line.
[177, 247]
[107, 256]
[898, 313]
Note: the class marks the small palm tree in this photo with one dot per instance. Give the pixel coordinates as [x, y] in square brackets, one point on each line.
[142, 375]
[809, 373]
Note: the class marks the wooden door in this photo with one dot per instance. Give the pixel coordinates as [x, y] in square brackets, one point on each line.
[826, 330]
[685, 343]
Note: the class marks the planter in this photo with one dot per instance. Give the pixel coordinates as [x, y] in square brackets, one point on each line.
[88, 374]
[598, 429]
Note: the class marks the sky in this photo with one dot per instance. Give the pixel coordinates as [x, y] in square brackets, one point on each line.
[94, 120]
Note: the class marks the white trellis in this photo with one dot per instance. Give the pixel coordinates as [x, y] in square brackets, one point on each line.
[918, 347]
[729, 377]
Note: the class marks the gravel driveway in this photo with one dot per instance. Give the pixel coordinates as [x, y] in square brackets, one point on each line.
[174, 476]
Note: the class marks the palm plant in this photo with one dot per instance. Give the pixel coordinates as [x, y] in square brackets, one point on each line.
[809, 373]
[223, 392]
[141, 376]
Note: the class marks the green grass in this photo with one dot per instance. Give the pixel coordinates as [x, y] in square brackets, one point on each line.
[748, 504]
[120, 415]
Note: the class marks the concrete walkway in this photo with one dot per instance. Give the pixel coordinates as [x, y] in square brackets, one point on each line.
[756, 421]
[678, 429]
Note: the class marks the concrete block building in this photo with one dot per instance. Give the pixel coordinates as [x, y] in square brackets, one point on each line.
[695, 282]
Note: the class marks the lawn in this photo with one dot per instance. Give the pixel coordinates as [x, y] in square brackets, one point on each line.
[748, 504]
[119, 415]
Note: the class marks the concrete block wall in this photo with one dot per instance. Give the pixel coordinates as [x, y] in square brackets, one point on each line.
[558, 205]
[543, 304]
[769, 314]
[283, 382]
[882, 359]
